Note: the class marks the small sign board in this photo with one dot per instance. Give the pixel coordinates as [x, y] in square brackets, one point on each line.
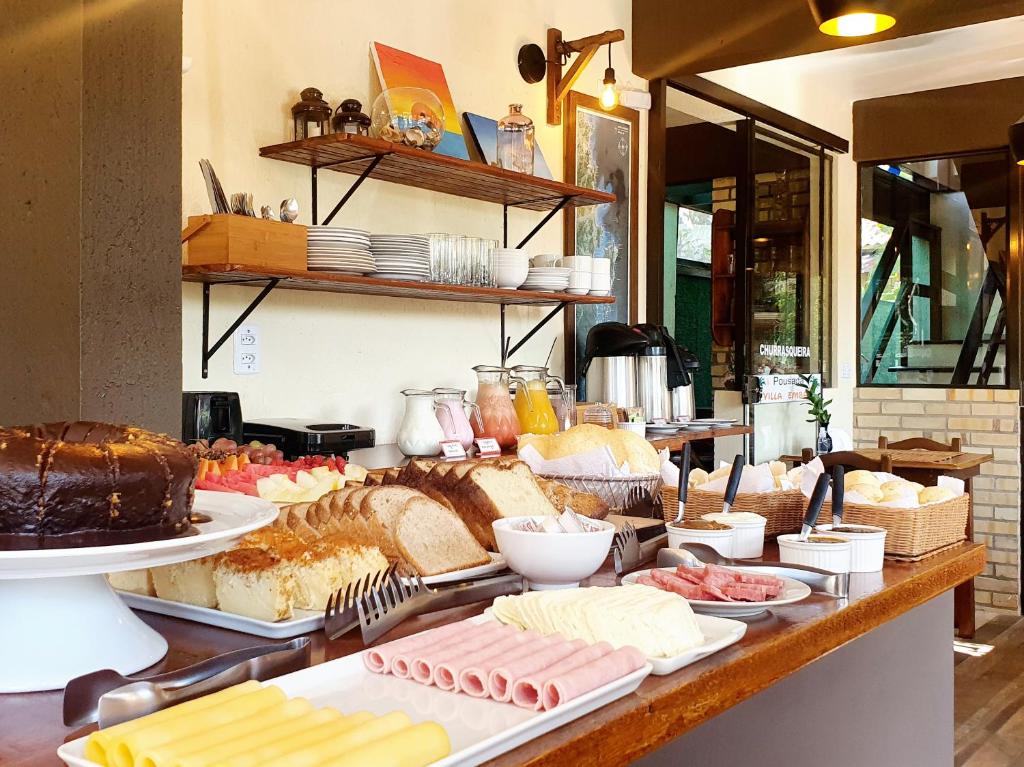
[452, 450]
[777, 387]
[488, 447]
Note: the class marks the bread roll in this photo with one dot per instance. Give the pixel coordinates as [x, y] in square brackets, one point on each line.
[860, 477]
[697, 477]
[870, 492]
[896, 485]
[778, 468]
[935, 495]
[905, 495]
[720, 472]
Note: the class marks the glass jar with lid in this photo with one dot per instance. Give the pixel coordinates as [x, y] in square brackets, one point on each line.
[515, 141]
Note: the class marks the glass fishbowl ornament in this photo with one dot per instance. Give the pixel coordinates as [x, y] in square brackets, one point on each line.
[410, 116]
[515, 141]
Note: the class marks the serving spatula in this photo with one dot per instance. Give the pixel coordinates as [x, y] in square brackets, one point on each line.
[109, 697]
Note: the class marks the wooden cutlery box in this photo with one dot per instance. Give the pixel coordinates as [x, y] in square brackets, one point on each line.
[228, 238]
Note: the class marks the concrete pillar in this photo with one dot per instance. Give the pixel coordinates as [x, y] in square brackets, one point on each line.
[90, 211]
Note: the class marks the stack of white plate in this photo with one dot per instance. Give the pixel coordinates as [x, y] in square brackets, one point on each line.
[547, 279]
[401, 256]
[338, 249]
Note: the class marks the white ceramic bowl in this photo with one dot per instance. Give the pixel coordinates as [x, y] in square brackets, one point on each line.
[510, 277]
[577, 263]
[579, 282]
[636, 428]
[553, 560]
[868, 555]
[748, 541]
[545, 260]
[720, 540]
[834, 557]
[602, 266]
[511, 252]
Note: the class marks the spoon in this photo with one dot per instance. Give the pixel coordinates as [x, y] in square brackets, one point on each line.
[289, 210]
[814, 507]
[684, 473]
[734, 483]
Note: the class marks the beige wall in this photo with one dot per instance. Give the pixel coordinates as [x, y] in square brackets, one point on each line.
[347, 357]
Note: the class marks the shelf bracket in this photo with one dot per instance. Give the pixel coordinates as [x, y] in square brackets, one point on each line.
[352, 189]
[209, 351]
[550, 214]
[507, 350]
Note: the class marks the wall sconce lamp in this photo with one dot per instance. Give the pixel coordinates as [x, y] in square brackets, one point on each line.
[535, 65]
[1017, 141]
[852, 18]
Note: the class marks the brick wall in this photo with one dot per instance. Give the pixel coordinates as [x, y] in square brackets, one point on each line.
[987, 421]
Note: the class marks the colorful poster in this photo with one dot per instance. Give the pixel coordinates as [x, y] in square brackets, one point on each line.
[397, 69]
[484, 132]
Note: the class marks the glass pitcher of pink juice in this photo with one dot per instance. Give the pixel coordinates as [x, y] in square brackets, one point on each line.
[498, 418]
[532, 404]
[450, 409]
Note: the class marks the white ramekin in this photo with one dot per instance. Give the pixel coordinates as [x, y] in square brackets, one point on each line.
[748, 535]
[834, 557]
[868, 547]
[720, 540]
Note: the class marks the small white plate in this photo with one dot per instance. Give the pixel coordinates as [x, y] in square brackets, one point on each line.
[663, 429]
[792, 591]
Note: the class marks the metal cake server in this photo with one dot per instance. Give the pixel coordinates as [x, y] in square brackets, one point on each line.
[698, 554]
[111, 698]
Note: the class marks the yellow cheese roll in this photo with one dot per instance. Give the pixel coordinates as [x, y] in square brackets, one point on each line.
[240, 744]
[859, 477]
[317, 754]
[203, 738]
[935, 495]
[274, 752]
[414, 746]
[126, 748]
[870, 492]
[98, 744]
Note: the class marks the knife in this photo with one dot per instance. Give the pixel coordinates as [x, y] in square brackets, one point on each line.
[838, 488]
[111, 698]
[734, 483]
[814, 507]
[684, 474]
[820, 581]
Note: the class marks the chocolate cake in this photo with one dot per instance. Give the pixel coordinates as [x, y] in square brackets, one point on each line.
[73, 484]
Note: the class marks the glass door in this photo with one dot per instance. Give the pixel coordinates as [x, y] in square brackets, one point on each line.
[786, 287]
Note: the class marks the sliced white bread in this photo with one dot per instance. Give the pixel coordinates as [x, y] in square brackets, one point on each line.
[433, 540]
[489, 492]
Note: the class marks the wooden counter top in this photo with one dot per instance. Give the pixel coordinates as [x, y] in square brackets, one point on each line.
[776, 645]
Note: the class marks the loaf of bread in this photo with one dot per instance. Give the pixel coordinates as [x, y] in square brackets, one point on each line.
[433, 539]
[489, 492]
[564, 498]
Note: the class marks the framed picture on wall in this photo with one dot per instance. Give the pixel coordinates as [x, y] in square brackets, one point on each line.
[602, 152]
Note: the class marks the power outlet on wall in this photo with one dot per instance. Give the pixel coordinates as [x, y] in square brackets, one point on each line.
[846, 371]
[247, 350]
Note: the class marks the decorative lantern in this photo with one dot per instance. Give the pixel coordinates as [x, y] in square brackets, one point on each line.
[312, 115]
[349, 118]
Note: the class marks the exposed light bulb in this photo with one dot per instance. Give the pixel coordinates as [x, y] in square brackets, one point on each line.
[609, 96]
[857, 24]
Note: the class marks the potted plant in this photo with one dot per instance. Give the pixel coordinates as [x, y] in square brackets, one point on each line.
[818, 410]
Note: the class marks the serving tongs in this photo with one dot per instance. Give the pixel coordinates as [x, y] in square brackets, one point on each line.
[381, 609]
[110, 698]
[700, 554]
[626, 555]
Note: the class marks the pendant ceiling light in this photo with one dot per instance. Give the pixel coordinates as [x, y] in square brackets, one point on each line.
[1017, 141]
[852, 18]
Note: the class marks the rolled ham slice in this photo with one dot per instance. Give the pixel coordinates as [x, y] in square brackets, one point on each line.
[425, 661]
[379, 659]
[500, 680]
[447, 675]
[401, 663]
[528, 691]
[590, 676]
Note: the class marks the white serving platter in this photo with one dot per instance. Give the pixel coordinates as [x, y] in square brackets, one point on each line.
[792, 591]
[479, 729]
[303, 621]
[718, 633]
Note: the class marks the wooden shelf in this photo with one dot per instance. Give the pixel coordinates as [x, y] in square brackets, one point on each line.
[439, 173]
[330, 282]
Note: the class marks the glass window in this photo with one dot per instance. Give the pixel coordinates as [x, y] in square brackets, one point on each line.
[933, 251]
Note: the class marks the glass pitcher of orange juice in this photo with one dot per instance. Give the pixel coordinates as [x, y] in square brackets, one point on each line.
[536, 416]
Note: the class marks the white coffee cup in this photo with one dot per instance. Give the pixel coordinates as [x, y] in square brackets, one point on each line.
[579, 281]
[577, 263]
[600, 282]
[601, 266]
[545, 260]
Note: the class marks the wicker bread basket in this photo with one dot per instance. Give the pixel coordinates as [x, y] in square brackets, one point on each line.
[617, 492]
[913, 533]
[784, 509]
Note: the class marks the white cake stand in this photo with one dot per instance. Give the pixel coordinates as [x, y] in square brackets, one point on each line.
[60, 619]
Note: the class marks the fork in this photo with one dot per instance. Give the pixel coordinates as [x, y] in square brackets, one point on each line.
[626, 550]
[394, 599]
[341, 615]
